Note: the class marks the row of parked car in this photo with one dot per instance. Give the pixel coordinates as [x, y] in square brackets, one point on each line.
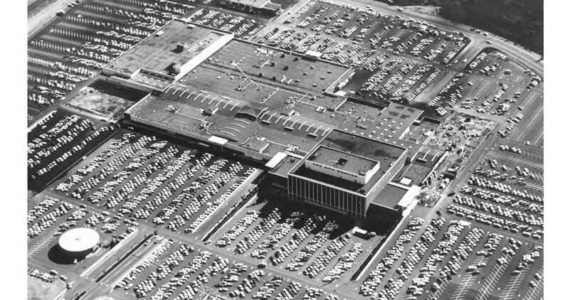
[443, 249]
[457, 259]
[198, 201]
[505, 210]
[238, 25]
[105, 163]
[504, 188]
[237, 229]
[116, 179]
[152, 163]
[48, 219]
[43, 276]
[490, 220]
[196, 165]
[164, 270]
[505, 200]
[54, 142]
[152, 184]
[309, 225]
[395, 284]
[344, 263]
[358, 23]
[271, 242]
[41, 208]
[389, 259]
[126, 282]
[312, 246]
[224, 179]
[325, 257]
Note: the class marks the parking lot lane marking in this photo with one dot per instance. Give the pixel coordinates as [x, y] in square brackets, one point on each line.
[310, 126]
[41, 244]
[198, 96]
[465, 283]
[318, 128]
[233, 107]
[535, 293]
[302, 124]
[293, 124]
[492, 280]
[514, 284]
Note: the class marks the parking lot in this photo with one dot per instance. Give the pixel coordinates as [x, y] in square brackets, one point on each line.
[49, 217]
[368, 30]
[74, 48]
[57, 141]
[504, 194]
[494, 86]
[175, 270]
[455, 259]
[145, 178]
[243, 26]
[399, 80]
[301, 240]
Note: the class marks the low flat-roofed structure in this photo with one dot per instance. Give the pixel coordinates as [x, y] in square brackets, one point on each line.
[390, 196]
[422, 167]
[167, 55]
[184, 115]
[285, 165]
[78, 241]
[260, 6]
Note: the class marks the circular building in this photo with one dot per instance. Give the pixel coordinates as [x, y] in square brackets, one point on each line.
[79, 242]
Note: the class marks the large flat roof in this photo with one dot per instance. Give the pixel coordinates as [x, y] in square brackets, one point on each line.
[377, 150]
[157, 52]
[389, 122]
[168, 54]
[355, 146]
[341, 160]
[284, 117]
[283, 68]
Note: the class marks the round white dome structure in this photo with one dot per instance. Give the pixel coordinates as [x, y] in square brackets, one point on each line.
[79, 240]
